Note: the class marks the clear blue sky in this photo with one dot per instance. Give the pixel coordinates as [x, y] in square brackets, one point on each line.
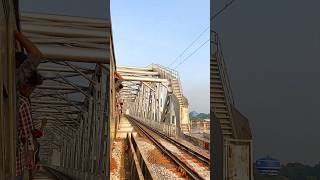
[148, 32]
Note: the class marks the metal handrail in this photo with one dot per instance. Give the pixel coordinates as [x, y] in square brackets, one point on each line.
[170, 74]
[225, 79]
[222, 68]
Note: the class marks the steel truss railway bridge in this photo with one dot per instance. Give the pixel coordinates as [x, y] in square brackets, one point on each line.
[84, 94]
[154, 94]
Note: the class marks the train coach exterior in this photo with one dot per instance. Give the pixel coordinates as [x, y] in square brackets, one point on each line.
[7, 92]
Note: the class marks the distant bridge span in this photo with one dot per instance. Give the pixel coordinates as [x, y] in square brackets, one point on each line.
[154, 94]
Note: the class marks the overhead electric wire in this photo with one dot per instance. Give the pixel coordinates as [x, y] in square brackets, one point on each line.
[192, 53]
[221, 10]
[202, 32]
[190, 45]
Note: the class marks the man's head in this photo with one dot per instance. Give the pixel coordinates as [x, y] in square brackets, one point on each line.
[120, 86]
[26, 88]
[20, 58]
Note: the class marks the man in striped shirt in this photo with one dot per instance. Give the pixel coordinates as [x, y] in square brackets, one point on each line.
[25, 147]
[27, 78]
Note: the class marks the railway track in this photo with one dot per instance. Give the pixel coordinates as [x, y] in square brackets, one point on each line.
[188, 160]
[47, 173]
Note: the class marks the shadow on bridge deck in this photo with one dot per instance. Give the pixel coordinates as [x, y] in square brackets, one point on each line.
[118, 154]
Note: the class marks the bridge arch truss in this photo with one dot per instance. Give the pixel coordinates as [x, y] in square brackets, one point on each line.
[154, 95]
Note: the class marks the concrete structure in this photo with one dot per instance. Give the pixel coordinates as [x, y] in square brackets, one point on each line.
[231, 134]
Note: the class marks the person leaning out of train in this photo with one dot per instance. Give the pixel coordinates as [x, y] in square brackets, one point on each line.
[25, 139]
[26, 63]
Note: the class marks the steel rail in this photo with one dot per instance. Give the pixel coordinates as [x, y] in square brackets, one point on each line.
[56, 174]
[199, 156]
[190, 172]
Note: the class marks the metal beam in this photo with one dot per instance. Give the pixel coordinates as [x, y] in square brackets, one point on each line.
[65, 70]
[144, 79]
[55, 78]
[148, 86]
[39, 94]
[134, 68]
[70, 19]
[138, 72]
[43, 39]
[58, 112]
[129, 96]
[59, 134]
[62, 122]
[50, 102]
[72, 84]
[67, 53]
[83, 75]
[130, 91]
[46, 28]
[55, 87]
